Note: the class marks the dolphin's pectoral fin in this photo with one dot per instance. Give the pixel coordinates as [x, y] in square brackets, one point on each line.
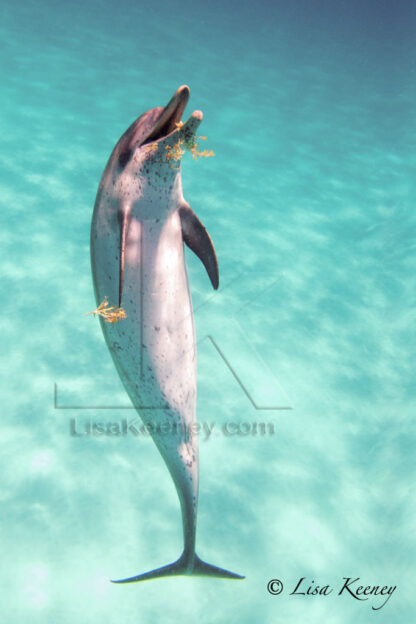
[124, 220]
[182, 567]
[197, 238]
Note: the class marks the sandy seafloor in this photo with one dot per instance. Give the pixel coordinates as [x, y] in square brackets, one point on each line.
[309, 107]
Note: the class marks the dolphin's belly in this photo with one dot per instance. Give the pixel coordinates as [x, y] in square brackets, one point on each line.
[154, 347]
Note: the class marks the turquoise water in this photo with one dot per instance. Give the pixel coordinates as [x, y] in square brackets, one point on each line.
[309, 199]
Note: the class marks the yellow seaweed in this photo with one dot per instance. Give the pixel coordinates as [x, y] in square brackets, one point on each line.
[152, 147]
[176, 151]
[111, 314]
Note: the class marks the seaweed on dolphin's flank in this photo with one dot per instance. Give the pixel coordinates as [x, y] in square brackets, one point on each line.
[111, 314]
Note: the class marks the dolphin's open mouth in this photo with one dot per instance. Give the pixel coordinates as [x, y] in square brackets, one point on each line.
[170, 119]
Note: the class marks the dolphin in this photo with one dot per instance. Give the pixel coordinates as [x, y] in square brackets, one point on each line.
[139, 225]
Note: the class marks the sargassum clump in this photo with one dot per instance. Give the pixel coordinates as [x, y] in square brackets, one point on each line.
[176, 151]
[192, 146]
[111, 314]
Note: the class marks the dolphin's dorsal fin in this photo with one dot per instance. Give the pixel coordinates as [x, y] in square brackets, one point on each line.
[124, 220]
[199, 241]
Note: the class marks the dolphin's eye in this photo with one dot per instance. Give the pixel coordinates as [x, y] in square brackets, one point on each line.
[124, 158]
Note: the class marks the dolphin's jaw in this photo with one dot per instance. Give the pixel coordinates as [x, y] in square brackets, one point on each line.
[170, 117]
[170, 122]
[170, 148]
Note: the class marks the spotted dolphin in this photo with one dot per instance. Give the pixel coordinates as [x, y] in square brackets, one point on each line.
[139, 225]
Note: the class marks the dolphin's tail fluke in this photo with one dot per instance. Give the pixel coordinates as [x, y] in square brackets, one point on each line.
[206, 569]
[182, 567]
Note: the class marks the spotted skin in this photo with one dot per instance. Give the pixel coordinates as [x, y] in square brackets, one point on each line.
[138, 263]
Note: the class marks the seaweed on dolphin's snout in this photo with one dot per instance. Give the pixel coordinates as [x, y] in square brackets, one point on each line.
[190, 143]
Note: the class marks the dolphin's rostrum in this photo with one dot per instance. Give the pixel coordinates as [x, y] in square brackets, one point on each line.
[139, 224]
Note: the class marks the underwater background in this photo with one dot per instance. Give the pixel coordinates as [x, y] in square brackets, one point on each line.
[305, 355]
